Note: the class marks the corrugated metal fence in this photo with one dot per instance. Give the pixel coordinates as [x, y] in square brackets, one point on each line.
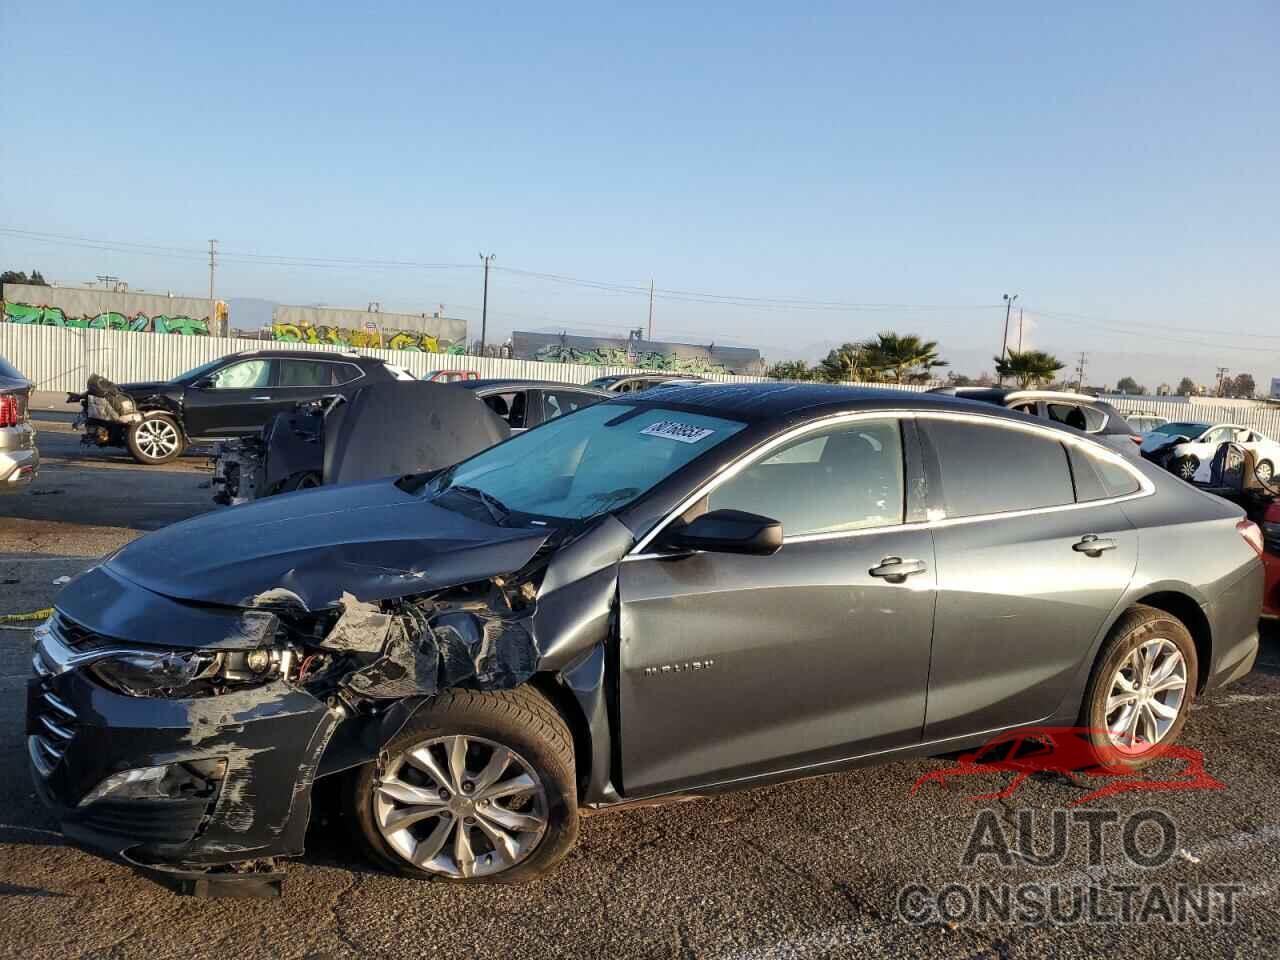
[58, 358]
[1265, 418]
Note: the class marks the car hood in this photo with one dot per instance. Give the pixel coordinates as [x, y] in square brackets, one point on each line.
[136, 390]
[1156, 441]
[372, 540]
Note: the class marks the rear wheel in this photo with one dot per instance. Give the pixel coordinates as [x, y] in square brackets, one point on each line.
[1265, 470]
[156, 438]
[477, 787]
[1142, 687]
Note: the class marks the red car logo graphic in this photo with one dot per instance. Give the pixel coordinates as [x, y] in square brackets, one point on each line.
[1068, 751]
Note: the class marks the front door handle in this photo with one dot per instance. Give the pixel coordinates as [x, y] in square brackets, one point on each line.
[896, 570]
[259, 398]
[1093, 546]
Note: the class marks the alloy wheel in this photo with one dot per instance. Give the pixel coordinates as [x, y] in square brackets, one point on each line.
[1187, 468]
[461, 806]
[156, 438]
[1146, 695]
[1264, 470]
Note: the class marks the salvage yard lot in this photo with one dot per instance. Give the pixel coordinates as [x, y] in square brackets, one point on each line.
[804, 869]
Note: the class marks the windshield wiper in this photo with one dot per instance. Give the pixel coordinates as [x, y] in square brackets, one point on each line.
[497, 509]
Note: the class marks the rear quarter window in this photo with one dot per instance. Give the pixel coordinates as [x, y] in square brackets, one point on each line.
[988, 468]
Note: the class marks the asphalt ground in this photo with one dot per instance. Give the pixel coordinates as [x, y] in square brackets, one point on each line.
[808, 869]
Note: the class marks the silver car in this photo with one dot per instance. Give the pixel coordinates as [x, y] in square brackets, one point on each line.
[19, 458]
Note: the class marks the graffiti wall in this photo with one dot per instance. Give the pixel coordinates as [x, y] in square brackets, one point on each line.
[648, 355]
[87, 309]
[360, 328]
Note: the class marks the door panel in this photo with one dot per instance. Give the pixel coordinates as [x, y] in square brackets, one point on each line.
[1018, 608]
[237, 403]
[733, 666]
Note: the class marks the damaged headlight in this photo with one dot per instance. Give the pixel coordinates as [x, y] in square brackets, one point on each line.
[180, 674]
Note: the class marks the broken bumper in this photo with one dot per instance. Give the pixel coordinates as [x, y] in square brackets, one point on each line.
[243, 768]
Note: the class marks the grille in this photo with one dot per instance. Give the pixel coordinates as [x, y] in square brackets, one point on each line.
[53, 728]
[76, 637]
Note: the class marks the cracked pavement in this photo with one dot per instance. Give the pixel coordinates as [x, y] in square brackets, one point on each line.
[806, 869]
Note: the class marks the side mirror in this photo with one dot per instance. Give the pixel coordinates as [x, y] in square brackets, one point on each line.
[728, 531]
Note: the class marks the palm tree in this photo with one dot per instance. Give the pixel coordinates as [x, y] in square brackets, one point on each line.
[901, 356]
[1028, 367]
[791, 370]
[846, 362]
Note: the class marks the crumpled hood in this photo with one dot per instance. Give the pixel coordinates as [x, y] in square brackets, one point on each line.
[372, 540]
[1157, 441]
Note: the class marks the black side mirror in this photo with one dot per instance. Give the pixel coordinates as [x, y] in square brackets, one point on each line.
[728, 531]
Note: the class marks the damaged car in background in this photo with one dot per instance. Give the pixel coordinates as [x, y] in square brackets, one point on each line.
[680, 592]
[233, 396]
[381, 430]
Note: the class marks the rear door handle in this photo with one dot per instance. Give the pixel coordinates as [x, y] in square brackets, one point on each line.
[1093, 546]
[896, 570]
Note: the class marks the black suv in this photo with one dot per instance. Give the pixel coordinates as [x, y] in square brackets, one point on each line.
[233, 396]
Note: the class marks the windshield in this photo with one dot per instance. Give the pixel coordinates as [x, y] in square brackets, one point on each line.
[588, 462]
[196, 372]
[1181, 429]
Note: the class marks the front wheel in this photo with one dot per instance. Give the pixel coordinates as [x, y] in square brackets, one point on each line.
[1141, 690]
[1264, 470]
[156, 438]
[477, 787]
[1186, 468]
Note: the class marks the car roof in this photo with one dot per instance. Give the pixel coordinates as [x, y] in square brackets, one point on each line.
[757, 402]
[515, 383]
[278, 354]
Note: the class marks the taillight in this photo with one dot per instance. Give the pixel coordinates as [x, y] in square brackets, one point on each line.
[1252, 535]
[8, 411]
[1136, 439]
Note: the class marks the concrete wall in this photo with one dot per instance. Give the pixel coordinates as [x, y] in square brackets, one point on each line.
[85, 308]
[363, 328]
[647, 354]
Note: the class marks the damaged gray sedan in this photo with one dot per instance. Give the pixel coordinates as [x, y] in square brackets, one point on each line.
[692, 590]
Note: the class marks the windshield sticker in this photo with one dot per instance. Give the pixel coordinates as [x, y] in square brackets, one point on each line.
[681, 432]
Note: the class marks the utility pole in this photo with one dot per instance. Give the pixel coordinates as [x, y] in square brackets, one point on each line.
[213, 251]
[650, 337]
[1222, 372]
[1080, 373]
[1008, 307]
[484, 304]
[1019, 329]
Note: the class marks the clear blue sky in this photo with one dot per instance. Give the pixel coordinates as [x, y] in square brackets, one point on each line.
[1113, 161]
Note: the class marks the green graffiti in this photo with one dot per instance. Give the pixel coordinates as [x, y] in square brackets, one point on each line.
[354, 337]
[45, 316]
[618, 357]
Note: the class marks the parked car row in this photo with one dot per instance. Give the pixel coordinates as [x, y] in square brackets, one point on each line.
[574, 618]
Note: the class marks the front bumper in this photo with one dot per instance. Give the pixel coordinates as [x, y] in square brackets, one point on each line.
[79, 733]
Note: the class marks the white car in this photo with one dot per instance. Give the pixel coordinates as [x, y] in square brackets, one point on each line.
[1187, 448]
[1144, 423]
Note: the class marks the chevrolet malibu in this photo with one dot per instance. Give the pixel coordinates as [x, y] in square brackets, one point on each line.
[690, 590]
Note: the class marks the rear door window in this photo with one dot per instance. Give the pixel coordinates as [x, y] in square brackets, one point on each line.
[994, 469]
[842, 479]
[556, 403]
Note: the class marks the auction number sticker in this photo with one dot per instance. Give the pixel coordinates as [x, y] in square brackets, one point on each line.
[674, 430]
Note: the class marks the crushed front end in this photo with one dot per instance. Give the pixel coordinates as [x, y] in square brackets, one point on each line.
[106, 413]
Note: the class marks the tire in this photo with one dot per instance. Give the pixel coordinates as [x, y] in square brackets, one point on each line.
[522, 721]
[1186, 467]
[301, 481]
[156, 438]
[1265, 470]
[1141, 627]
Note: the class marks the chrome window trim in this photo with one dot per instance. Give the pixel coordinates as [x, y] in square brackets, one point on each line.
[1090, 447]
